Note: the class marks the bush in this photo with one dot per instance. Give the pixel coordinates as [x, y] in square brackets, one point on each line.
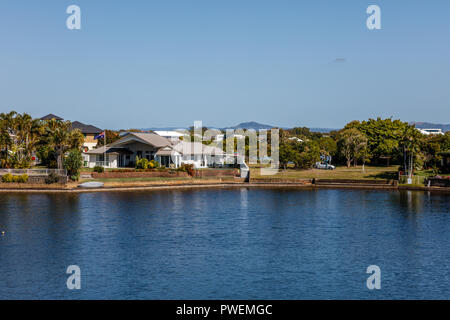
[52, 178]
[22, 178]
[141, 163]
[8, 178]
[73, 163]
[189, 168]
[99, 169]
[153, 164]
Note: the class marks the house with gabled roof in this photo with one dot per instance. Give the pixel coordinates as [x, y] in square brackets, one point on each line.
[51, 116]
[89, 132]
[169, 153]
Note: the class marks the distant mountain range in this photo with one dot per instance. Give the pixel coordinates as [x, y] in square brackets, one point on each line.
[250, 125]
[257, 126]
[244, 125]
[427, 125]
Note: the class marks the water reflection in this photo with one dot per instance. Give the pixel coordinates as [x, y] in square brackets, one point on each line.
[225, 243]
[412, 201]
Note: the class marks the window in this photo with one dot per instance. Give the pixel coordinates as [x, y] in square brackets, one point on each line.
[101, 157]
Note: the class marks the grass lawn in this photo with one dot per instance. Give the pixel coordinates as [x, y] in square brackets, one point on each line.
[341, 172]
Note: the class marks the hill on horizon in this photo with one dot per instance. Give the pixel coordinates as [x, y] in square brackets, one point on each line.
[243, 125]
[250, 125]
[428, 125]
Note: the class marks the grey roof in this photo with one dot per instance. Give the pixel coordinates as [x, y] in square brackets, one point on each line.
[51, 116]
[85, 128]
[150, 138]
[109, 150]
[166, 151]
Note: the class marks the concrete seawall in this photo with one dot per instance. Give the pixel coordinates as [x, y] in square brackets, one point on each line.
[182, 186]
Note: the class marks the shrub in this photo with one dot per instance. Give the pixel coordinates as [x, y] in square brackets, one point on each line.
[141, 163]
[22, 178]
[52, 178]
[99, 169]
[153, 164]
[8, 178]
[189, 168]
[73, 163]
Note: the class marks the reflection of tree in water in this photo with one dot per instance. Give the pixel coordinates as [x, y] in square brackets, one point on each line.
[413, 201]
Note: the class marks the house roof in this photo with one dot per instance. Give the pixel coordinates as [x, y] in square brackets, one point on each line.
[148, 138]
[165, 146]
[166, 151]
[85, 128]
[109, 150]
[51, 116]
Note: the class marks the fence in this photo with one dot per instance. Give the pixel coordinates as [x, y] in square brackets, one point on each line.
[34, 172]
[418, 180]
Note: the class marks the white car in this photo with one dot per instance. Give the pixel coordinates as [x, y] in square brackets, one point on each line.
[325, 166]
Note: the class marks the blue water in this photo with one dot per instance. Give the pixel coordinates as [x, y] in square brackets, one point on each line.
[226, 244]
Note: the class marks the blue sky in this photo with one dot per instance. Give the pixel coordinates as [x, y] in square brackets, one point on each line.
[168, 63]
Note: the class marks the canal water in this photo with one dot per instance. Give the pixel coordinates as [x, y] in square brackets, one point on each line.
[226, 244]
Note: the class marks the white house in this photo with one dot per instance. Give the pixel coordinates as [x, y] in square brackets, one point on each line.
[296, 139]
[171, 135]
[168, 152]
[431, 131]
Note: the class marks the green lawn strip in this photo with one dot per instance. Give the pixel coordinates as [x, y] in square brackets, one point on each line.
[370, 172]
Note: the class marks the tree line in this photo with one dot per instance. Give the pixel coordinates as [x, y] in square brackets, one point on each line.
[377, 141]
[53, 142]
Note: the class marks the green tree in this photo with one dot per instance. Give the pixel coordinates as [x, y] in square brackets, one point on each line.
[73, 163]
[328, 146]
[410, 146]
[60, 138]
[7, 125]
[383, 136]
[353, 145]
[308, 153]
[287, 153]
[28, 132]
[111, 136]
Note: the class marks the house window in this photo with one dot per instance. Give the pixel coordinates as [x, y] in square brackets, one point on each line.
[101, 157]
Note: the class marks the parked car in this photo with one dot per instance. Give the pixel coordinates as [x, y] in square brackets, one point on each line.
[325, 166]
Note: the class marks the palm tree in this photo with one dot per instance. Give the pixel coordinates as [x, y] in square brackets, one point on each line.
[59, 136]
[410, 146]
[7, 127]
[23, 128]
